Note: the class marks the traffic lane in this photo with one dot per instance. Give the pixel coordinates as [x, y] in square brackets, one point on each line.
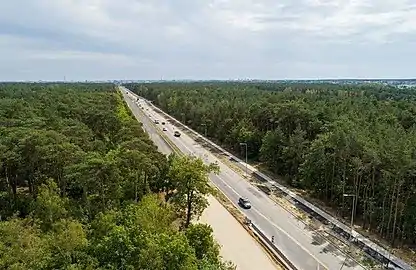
[139, 115]
[170, 131]
[298, 256]
[178, 141]
[159, 142]
[292, 250]
[155, 116]
[281, 221]
[319, 248]
[157, 139]
[264, 204]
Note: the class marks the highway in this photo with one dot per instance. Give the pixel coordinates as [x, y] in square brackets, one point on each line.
[148, 127]
[235, 241]
[291, 236]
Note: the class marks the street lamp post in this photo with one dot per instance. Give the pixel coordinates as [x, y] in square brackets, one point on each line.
[352, 210]
[245, 144]
[352, 222]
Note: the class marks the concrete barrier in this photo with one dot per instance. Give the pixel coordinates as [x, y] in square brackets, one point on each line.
[271, 246]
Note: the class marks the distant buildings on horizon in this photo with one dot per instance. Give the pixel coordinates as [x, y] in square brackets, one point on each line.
[394, 82]
[402, 83]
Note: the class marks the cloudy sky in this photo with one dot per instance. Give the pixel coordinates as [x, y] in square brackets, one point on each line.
[207, 39]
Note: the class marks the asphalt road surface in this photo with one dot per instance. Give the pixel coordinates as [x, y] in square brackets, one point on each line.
[296, 242]
[236, 243]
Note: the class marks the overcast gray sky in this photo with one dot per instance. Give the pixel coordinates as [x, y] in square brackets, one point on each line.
[207, 39]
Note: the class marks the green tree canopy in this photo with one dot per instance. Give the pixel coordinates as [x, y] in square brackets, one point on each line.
[189, 176]
[83, 187]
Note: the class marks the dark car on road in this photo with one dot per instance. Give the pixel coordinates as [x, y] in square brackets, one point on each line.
[245, 203]
[177, 134]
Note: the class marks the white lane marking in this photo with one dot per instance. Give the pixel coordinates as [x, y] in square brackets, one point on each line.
[154, 114]
[293, 222]
[146, 126]
[276, 226]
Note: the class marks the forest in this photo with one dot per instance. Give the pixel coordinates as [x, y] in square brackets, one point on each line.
[83, 187]
[323, 139]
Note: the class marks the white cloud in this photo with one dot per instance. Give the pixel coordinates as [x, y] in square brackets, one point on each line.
[205, 39]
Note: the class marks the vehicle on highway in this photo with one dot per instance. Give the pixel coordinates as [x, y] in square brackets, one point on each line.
[244, 202]
[177, 134]
[165, 129]
[163, 123]
[156, 121]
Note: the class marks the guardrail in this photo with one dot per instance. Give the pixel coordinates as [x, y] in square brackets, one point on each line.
[271, 246]
[372, 249]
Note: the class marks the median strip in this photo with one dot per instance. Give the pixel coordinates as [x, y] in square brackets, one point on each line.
[165, 138]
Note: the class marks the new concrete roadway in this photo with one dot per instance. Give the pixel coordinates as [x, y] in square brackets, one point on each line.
[292, 237]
